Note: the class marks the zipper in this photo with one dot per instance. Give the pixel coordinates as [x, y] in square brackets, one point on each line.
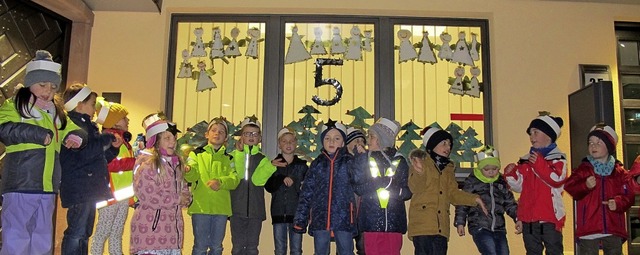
[493, 207]
[604, 207]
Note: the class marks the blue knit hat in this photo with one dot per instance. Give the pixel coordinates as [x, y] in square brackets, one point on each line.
[42, 69]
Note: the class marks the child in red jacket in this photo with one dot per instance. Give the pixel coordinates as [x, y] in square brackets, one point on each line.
[599, 185]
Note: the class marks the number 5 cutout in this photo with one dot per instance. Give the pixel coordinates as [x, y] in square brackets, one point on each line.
[331, 81]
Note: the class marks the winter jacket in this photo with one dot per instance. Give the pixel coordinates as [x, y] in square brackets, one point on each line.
[247, 200]
[375, 174]
[592, 216]
[157, 222]
[434, 192]
[327, 198]
[120, 175]
[207, 164]
[541, 185]
[29, 166]
[85, 178]
[284, 200]
[498, 199]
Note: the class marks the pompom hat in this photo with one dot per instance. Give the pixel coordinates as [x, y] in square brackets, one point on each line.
[607, 135]
[108, 113]
[42, 69]
[432, 136]
[387, 130]
[547, 124]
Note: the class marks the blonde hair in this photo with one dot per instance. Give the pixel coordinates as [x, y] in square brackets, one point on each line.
[156, 162]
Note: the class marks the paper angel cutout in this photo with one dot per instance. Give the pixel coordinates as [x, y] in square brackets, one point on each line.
[407, 51]
[461, 54]
[367, 40]
[204, 80]
[473, 51]
[337, 46]
[426, 52]
[233, 49]
[445, 50]
[198, 45]
[185, 66]
[254, 39]
[457, 87]
[217, 47]
[296, 52]
[354, 50]
[474, 85]
[317, 48]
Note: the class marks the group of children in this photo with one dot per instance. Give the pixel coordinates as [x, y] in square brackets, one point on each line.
[356, 187]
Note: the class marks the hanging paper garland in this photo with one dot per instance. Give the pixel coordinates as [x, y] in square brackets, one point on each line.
[185, 67]
[233, 49]
[331, 81]
[407, 51]
[426, 52]
[297, 51]
[445, 52]
[198, 45]
[317, 48]
[254, 39]
[461, 53]
[354, 50]
[366, 44]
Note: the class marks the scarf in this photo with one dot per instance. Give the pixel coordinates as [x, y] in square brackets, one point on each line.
[602, 169]
[441, 161]
[544, 151]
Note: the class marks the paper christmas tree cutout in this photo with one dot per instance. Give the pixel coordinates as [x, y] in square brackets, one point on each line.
[317, 48]
[186, 69]
[304, 127]
[254, 39]
[360, 116]
[475, 47]
[463, 143]
[407, 51]
[297, 52]
[233, 48]
[204, 77]
[426, 51]
[354, 49]
[408, 137]
[198, 45]
[366, 43]
[445, 52]
[461, 54]
[194, 136]
[308, 120]
[337, 46]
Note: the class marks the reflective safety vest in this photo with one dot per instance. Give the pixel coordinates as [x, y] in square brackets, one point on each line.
[383, 193]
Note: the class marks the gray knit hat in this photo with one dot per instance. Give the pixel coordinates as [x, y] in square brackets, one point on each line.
[387, 130]
[42, 69]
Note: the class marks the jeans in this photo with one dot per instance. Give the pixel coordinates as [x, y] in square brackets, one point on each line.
[322, 242]
[280, 233]
[430, 245]
[80, 219]
[539, 236]
[208, 233]
[490, 243]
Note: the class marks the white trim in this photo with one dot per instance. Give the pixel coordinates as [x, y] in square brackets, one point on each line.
[389, 124]
[157, 129]
[150, 120]
[43, 65]
[552, 123]
[428, 134]
[79, 97]
[104, 112]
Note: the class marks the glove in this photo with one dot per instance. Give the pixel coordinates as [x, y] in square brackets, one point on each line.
[299, 230]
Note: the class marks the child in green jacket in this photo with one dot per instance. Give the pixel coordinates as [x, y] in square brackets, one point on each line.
[212, 177]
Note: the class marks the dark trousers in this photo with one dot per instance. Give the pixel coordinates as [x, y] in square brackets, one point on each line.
[80, 219]
[245, 235]
[611, 245]
[430, 245]
[542, 236]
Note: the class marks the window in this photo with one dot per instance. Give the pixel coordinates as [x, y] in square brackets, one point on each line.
[280, 81]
